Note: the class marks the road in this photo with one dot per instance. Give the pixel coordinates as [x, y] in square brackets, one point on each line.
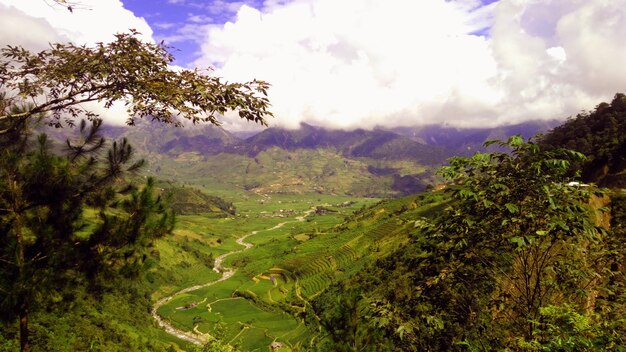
[195, 336]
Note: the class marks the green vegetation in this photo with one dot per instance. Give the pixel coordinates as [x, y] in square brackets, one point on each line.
[512, 255]
[600, 136]
[278, 171]
[518, 260]
[262, 299]
[55, 250]
[192, 201]
[48, 246]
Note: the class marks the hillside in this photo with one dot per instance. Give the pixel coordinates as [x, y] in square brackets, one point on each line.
[189, 200]
[376, 144]
[479, 273]
[600, 135]
[466, 141]
[359, 163]
[376, 163]
[286, 267]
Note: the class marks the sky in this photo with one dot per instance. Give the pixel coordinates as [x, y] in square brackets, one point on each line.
[370, 63]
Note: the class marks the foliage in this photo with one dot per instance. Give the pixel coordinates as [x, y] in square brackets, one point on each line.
[599, 135]
[55, 82]
[49, 243]
[349, 320]
[562, 328]
[516, 239]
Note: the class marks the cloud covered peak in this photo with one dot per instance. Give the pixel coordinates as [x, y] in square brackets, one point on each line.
[358, 63]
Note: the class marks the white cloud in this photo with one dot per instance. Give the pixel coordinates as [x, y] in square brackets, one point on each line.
[357, 63]
[36, 23]
[557, 57]
[362, 63]
[38, 35]
[93, 21]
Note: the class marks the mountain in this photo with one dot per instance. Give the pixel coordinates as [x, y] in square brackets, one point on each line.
[600, 136]
[430, 145]
[377, 144]
[466, 141]
[311, 159]
[374, 163]
[206, 139]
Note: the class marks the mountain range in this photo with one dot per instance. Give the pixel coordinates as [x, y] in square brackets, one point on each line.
[429, 144]
[377, 163]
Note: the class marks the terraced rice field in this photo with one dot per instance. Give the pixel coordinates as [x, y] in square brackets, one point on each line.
[267, 297]
[258, 304]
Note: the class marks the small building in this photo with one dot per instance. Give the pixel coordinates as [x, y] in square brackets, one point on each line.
[276, 345]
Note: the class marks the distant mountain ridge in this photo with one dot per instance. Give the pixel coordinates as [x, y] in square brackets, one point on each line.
[376, 144]
[466, 141]
[430, 144]
[377, 163]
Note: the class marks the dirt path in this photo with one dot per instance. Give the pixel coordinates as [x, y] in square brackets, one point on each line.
[195, 336]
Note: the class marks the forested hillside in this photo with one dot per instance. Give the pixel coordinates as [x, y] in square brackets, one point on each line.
[600, 135]
[281, 241]
[517, 260]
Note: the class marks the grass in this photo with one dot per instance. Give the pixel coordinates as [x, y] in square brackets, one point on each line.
[277, 171]
[265, 312]
[267, 298]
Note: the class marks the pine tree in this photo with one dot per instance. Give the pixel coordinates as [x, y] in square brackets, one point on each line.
[46, 241]
[48, 244]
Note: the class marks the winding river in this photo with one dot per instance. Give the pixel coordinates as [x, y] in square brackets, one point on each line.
[195, 336]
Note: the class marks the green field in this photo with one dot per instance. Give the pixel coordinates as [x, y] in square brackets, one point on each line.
[259, 304]
[267, 298]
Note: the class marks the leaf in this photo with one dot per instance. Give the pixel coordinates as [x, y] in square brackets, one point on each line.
[515, 141]
[519, 241]
[466, 194]
[512, 208]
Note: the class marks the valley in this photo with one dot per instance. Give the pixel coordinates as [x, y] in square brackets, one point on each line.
[307, 263]
[274, 258]
[286, 222]
[312, 176]
[257, 297]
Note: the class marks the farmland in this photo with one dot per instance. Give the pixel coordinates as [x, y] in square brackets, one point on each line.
[262, 302]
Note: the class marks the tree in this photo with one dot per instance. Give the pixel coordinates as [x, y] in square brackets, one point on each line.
[47, 242]
[599, 135]
[55, 82]
[517, 250]
[519, 236]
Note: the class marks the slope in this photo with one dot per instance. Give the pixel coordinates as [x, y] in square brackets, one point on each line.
[600, 135]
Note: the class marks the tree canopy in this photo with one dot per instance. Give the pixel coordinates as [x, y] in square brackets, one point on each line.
[599, 134]
[69, 216]
[55, 82]
[517, 252]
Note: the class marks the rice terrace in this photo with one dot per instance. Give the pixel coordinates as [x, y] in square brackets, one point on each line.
[312, 175]
[269, 281]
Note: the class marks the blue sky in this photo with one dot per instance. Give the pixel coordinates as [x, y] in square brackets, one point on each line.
[368, 63]
[178, 21]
